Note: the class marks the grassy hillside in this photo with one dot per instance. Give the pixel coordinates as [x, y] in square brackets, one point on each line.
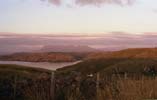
[112, 66]
[22, 69]
[127, 53]
[75, 83]
[121, 75]
[129, 60]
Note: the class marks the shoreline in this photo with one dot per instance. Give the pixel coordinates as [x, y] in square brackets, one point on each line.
[45, 65]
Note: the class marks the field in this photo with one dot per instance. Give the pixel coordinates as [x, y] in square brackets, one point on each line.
[23, 83]
[123, 75]
[119, 79]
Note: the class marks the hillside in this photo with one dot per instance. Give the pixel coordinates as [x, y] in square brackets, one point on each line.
[23, 71]
[127, 53]
[67, 48]
[44, 57]
[129, 60]
[134, 69]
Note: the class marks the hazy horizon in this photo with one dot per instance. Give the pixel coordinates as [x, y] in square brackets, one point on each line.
[107, 42]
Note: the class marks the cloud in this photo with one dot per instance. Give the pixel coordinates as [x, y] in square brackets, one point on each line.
[55, 2]
[94, 2]
[154, 10]
[100, 2]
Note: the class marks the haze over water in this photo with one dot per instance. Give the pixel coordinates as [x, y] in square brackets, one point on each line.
[44, 65]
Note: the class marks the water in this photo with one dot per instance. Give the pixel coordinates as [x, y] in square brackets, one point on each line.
[45, 65]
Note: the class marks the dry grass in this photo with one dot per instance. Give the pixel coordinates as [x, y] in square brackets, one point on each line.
[117, 89]
[129, 89]
[37, 91]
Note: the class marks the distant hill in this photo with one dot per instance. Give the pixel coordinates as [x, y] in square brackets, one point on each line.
[67, 48]
[44, 57]
[126, 53]
[4, 53]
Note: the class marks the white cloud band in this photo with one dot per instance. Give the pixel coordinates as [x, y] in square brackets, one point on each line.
[94, 2]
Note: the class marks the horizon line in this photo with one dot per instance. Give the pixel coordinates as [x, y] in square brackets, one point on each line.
[73, 34]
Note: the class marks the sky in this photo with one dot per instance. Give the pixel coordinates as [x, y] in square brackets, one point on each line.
[29, 25]
[89, 17]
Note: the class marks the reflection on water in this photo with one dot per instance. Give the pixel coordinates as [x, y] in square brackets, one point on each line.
[45, 65]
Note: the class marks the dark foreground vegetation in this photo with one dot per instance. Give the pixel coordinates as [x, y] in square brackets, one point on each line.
[24, 83]
[123, 75]
[110, 79]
